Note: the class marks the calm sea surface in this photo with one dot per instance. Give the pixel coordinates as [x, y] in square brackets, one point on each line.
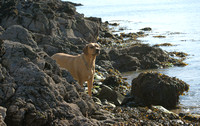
[178, 20]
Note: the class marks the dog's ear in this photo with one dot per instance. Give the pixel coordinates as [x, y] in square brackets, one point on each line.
[85, 50]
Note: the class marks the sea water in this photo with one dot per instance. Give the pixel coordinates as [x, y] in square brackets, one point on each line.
[177, 20]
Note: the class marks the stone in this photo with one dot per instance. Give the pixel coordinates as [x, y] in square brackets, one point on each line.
[1, 30]
[158, 89]
[108, 35]
[87, 29]
[146, 29]
[164, 110]
[61, 122]
[38, 89]
[2, 49]
[126, 63]
[106, 64]
[112, 81]
[110, 95]
[2, 112]
[190, 117]
[19, 34]
[135, 57]
[149, 57]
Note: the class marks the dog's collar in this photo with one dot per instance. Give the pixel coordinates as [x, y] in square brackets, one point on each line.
[86, 64]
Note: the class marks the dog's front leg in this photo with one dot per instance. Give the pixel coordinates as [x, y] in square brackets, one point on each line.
[90, 85]
[81, 83]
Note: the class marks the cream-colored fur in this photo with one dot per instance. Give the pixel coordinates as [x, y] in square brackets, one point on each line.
[82, 66]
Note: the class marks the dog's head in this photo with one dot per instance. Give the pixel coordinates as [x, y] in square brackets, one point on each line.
[92, 49]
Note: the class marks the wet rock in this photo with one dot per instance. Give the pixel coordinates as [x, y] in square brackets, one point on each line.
[140, 33]
[107, 104]
[164, 110]
[149, 57]
[138, 56]
[122, 28]
[190, 117]
[163, 44]
[146, 29]
[158, 89]
[110, 95]
[179, 54]
[108, 35]
[132, 35]
[126, 63]
[113, 24]
[142, 56]
[159, 36]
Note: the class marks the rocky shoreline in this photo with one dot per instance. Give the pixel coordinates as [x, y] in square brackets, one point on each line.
[35, 91]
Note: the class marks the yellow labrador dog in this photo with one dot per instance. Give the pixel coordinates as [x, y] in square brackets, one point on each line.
[82, 66]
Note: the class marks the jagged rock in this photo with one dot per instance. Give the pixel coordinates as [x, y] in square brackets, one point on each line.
[110, 95]
[108, 35]
[86, 29]
[2, 116]
[2, 49]
[190, 117]
[149, 57]
[7, 85]
[1, 30]
[55, 18]
[112, 81]
[146, 29]
[106, 64]
[158, 89]
[164, 110]
[19, 34]
[127, 63]
[33, 88]
[135, 57]
[36, 89]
